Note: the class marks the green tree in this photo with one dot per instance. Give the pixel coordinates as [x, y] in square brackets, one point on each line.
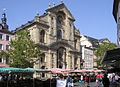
[4, 55]
[100, 51]
[23, 50]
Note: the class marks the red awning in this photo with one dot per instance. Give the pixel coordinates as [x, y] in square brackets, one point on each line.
[58, 70]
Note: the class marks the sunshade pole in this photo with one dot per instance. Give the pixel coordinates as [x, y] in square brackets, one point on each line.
[34, 80]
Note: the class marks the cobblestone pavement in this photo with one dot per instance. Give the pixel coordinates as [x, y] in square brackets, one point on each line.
[93, 84]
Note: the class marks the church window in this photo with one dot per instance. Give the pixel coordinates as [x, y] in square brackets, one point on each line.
[59, 34]
[60, 20]
[75, 43]
[75, 62]
[52, 21]
[42, 36]
[42, 59]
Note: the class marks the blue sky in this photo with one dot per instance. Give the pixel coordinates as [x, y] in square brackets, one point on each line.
[93, 17]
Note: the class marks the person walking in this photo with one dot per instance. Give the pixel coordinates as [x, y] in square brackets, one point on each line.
[105, 81]
[69, 81]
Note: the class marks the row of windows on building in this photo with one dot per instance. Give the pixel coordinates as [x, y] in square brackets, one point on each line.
[2, 47]
[7, 37]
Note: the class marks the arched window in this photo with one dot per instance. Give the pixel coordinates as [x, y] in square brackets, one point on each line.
[75, 43]
[59, 34]
[75, 62]
[42, 59]
[60, 20]
[42, 36]
[61, 17]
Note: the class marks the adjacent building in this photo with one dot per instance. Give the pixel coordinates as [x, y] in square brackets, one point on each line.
[5, 38]
[88, 47]
[57, 37]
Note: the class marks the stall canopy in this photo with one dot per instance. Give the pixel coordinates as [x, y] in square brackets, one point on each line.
[85, 71]
[58, 70]
[112, 55]
[99, 71]
[12, 69]
[37, 70]
[80, 71]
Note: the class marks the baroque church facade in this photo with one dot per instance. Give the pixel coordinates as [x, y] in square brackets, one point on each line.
[57, 37]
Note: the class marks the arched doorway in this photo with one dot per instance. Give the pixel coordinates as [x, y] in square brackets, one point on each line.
[61, 57]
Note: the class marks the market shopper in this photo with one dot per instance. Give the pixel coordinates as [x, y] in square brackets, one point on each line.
[0, 77]
[105, 81]
[69, 81]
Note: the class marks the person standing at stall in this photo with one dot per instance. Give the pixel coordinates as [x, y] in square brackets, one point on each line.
[69, 81]
[105, 81]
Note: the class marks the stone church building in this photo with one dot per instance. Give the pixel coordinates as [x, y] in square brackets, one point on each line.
[57, 37]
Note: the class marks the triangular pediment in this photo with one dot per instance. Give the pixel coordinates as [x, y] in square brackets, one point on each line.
[61, 7]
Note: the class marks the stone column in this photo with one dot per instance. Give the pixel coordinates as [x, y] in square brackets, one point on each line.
[47, 60]
[73, 59]
[55, 28]
[69, 61]
[78, 62]
[55, 55]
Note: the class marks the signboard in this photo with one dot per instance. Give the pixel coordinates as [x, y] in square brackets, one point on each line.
[61, 83]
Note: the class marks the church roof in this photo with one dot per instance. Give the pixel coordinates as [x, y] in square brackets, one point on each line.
[93, 41]
[29, 23]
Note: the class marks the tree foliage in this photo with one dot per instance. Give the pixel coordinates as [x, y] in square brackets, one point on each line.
[23, 50]
[100, 51]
